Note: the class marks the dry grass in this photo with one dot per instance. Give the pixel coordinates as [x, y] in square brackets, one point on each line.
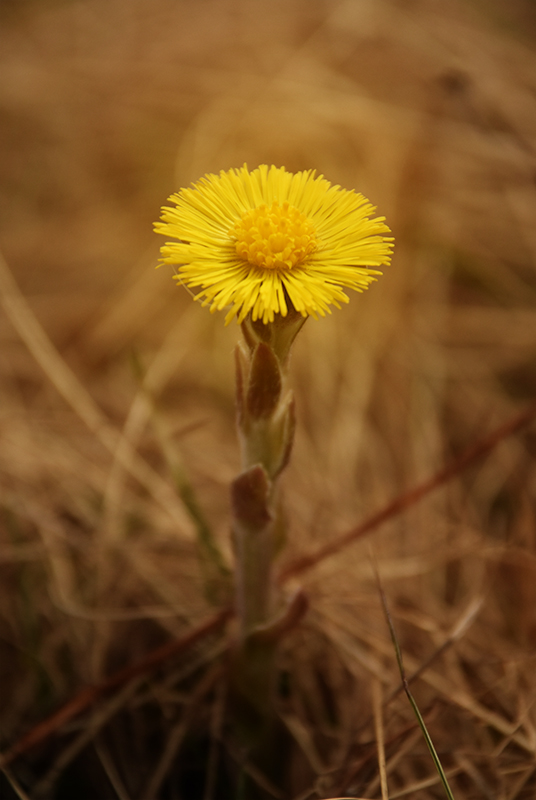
[430, 110]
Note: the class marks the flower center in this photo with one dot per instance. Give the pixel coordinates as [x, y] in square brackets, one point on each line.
[278, 237]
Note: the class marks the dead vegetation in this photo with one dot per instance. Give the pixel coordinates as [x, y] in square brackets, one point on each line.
[117, 392]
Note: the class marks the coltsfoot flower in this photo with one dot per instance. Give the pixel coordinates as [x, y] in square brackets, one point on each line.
[261, 240]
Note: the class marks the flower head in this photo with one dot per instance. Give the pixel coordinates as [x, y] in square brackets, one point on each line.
[257, 241]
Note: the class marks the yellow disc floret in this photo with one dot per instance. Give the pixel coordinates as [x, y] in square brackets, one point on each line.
[276, 237]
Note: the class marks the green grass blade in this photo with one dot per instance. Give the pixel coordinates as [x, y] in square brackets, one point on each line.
[410, 697]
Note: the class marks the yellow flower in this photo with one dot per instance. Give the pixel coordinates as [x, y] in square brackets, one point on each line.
[257, 241]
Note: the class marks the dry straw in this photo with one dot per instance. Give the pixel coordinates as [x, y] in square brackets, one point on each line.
[429, 110]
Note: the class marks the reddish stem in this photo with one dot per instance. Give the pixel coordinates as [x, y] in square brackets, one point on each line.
[411, 497]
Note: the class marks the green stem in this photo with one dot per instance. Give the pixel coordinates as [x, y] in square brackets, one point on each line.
[253, 543]
[265, 416]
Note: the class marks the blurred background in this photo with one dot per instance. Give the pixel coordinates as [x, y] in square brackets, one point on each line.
[110, 374]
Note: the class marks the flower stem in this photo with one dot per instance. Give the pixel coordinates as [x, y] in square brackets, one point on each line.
[266, 422]
[265, 417]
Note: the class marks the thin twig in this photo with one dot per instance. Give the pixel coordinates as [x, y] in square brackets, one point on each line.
[15, 785]
[433, 780]
[404, 501]
[460, 627]
[111, 771]
[409, 740]
[216, 728]
[378, 727]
